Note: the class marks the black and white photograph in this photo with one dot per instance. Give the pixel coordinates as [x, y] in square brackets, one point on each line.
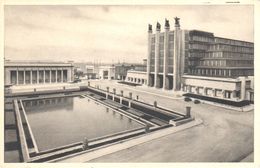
[128, 83]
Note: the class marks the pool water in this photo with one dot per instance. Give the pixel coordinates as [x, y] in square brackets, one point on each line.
[61, 121]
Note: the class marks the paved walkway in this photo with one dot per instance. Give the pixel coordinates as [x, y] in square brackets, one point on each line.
[44, 87]
[84, 157]
[11, 153]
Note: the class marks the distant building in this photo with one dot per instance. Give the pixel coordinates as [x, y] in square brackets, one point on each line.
[198, 62]
[106, 72]
[121, 70]
[90, 72]
[96, 71]
[27, 73]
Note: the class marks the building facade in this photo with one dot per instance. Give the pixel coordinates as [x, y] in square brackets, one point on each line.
[137, 77]
[179, 60]
[28, 73]
[235, 89]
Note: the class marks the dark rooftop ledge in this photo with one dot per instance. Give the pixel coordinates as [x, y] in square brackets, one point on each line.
[220, 101]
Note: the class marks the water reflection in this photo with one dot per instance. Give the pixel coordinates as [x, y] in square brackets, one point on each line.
[48, 104]
[60, 121]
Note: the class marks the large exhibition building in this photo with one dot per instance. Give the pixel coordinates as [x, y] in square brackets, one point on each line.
[198, 62]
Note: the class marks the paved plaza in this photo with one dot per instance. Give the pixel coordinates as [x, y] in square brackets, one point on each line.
[225, 135]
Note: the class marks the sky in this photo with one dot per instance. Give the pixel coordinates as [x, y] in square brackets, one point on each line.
[109, 34]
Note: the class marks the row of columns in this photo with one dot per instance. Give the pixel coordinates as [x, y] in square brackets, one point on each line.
[63, 73]
[177, 56]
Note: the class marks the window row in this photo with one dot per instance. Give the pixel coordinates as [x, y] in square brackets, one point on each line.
[240, 62]
[212, 63]
[198, 46]
[236, 55]
[233, 42]
[201, 38]
[211, 72]
[196, 54]
[222, 72]
[231, 48]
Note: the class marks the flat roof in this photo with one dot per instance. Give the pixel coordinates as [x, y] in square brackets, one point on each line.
[213, 78]
[35, 63]
[136, 71]
[234, 40]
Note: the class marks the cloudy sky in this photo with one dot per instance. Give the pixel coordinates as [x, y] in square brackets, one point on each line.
[109, 33]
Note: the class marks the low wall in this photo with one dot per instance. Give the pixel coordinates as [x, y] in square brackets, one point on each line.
[43, 90]
[180, 122]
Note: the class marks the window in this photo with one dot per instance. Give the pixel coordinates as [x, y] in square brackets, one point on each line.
[161, 39]
[171, 37]
[153, 39]
[13, 77]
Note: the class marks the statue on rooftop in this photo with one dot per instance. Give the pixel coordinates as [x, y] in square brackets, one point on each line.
[158, 26]
[150, 28]
[177, 21]
[167, 23]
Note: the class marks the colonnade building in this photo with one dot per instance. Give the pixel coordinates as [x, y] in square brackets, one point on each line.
[28, 73]
[198, 62]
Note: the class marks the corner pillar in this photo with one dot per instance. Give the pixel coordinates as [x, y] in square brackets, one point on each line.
[166, 55]
[157, 52]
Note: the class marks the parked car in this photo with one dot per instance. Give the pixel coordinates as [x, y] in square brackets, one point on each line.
[196, 102]
[187, 99]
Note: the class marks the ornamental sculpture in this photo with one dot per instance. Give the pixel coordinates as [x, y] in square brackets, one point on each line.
[150, 27]
[167, 23]
[177, 21]
[158, 26]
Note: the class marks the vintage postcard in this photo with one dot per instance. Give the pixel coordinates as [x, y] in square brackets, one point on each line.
[129, 83]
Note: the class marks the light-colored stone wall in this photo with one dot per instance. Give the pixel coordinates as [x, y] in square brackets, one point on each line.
[224, 88]
[136, 77]
[210, 83]
[109, 69]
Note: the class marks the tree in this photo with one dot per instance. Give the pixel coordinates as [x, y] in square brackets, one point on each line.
[78, 73]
